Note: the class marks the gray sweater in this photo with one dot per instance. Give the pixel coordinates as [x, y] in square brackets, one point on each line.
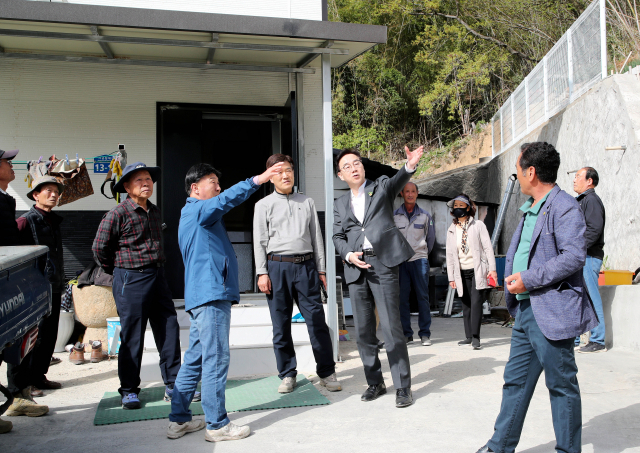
[286, 225]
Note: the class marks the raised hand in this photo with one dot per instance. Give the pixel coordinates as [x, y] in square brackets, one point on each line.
[413, 157]
[270, 173]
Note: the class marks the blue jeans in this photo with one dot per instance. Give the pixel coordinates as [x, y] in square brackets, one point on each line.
[416, 274]
[206, 358]
[531, 352]
[591, 272]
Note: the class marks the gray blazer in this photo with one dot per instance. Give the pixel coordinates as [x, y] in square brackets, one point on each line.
[559, 297]
[389, 244]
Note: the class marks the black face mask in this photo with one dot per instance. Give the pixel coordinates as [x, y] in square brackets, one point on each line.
[460, 212]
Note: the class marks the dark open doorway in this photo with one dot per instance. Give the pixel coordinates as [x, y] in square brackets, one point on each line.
[236, 140]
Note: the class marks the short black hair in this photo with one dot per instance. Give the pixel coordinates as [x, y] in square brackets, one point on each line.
[543, 157]
[277, 158]
[343, 153]
[592, 174]
[196, 173]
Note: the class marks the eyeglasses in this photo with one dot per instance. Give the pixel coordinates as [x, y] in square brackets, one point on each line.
[354, 164]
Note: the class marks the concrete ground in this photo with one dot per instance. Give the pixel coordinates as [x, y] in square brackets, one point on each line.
[457, 392]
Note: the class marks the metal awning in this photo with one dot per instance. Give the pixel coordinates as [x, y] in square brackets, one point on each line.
[142, 37]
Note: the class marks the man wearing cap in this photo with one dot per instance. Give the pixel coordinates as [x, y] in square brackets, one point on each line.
[40, 226]
[8, 226]
[128, 244]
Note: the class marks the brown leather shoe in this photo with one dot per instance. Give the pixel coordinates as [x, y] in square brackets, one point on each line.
[46, 384]
[77, 354]
[35, 391]
[96, 352]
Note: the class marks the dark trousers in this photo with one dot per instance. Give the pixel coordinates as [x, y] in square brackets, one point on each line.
[472, 300]
[415, 274]
[531, 352]
[301, 282]
[377, 287]
[35, 365]
[141, 296]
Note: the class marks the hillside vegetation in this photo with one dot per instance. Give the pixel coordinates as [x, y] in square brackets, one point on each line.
[448, 65]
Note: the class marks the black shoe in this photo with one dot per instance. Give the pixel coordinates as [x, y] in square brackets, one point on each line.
[404, 397]
[373, 392]
[410, 339]
[467, 341]
[380, 345]
[476, 343]
[485, 449]
[592, 347]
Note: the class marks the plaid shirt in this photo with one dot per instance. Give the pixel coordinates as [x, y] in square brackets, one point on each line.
[129, 237]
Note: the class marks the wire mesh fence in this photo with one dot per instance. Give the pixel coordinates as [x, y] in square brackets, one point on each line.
[574, 64]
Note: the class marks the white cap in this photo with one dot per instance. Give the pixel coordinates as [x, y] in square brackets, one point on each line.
[8, 154]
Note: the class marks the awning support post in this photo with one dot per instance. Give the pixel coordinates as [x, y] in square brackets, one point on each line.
[327, 146]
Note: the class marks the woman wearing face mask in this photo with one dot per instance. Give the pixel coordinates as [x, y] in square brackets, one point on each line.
[470, 261]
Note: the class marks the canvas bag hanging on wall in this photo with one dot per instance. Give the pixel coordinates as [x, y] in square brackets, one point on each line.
[74, 177]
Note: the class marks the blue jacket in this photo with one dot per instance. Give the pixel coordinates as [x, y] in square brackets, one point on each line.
[559, 296]
[210, 263]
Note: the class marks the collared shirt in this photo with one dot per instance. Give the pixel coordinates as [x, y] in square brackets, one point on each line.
[521, 258]
[129, 237]
[357, 206]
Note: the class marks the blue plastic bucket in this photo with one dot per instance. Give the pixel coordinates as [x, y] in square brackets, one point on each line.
[113, 324]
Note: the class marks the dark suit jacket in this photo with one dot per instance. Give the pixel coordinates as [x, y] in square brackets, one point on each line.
[348, 234]
[559, 298]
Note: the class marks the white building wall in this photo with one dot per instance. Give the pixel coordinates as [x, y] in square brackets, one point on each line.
[56, 108]
[287, 9]
[314, 161]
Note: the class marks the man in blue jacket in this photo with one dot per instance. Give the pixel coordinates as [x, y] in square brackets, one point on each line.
[211, 286]
[547, 296]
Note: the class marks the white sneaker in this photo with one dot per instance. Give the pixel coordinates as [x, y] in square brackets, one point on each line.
[426, 341]
[228, 432]
[287, 385]
[331, 383]
[176, 430]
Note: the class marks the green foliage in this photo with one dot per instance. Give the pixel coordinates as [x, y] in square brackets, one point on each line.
[447, 66]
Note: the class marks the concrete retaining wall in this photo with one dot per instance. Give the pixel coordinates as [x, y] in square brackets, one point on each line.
[607, 115]
[621, 306]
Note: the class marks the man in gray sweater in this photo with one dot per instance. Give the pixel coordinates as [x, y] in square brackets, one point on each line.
[289, 253]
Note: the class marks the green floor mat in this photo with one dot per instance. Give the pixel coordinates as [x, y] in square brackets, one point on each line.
[242, 395]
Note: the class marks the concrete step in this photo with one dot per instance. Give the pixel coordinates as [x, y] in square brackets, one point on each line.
[240, 337]
[241, 315]
[244, 362]
[250, 341]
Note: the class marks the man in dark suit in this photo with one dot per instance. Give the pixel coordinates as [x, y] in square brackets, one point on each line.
[372, 247]
[547, 296]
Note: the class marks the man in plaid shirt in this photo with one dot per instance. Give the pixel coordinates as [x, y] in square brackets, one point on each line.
[128, 245]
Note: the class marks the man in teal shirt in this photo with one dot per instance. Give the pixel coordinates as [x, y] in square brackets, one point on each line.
[545, 292]
[531, 209]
